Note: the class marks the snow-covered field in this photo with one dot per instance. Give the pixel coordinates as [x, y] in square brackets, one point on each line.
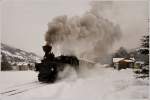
[98, 83]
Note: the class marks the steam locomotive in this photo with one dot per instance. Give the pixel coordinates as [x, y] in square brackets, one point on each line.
[50, 65]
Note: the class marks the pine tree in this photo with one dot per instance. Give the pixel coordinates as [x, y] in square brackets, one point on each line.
[145, 45]
[144, 49]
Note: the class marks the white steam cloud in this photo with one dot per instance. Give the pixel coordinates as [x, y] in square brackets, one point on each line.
[88, 36]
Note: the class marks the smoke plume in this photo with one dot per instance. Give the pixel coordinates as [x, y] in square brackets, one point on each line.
[88, 36]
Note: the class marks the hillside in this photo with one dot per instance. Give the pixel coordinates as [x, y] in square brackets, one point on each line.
[15, 56]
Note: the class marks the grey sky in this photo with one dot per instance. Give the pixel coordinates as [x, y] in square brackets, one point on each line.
[24, 22]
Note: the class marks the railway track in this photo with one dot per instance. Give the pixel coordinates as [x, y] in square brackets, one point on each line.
[21, 88]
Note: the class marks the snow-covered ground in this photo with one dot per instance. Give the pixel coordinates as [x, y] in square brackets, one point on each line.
[97, 83]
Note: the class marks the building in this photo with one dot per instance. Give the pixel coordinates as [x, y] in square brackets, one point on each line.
[20, 66]
[123, 63]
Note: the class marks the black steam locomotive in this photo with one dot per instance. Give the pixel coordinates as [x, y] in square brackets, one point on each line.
[50, 66]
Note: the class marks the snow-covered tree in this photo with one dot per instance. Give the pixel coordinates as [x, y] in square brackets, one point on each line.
[144, 49]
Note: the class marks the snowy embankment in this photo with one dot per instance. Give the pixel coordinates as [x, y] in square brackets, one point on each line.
[96, 83]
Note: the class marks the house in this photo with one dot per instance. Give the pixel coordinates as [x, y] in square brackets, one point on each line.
[122, 63]
[21, 66]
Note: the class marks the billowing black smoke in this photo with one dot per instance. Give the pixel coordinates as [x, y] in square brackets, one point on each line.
[89, 36]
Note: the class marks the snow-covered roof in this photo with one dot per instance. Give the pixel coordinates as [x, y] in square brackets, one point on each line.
[117, 59]
[126, 60]
[22, 63]
[132, 59]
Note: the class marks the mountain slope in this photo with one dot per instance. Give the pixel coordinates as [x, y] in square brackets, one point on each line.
[15, 56]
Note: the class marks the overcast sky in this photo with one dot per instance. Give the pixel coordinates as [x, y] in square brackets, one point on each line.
[24, 22]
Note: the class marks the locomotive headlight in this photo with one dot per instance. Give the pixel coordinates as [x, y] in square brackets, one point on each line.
[52, 69]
